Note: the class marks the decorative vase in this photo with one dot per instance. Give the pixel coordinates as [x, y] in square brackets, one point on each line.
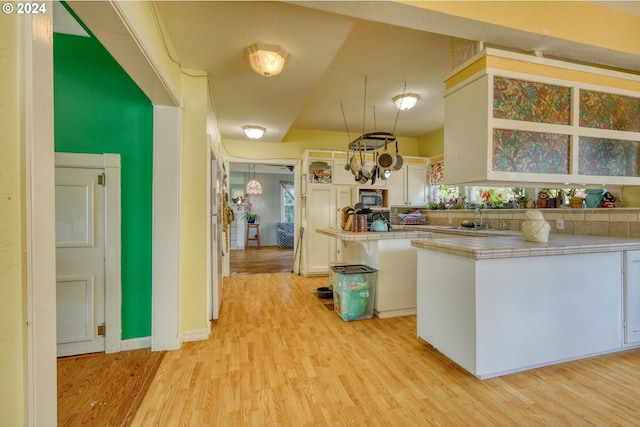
[535, 228]
[594, 197]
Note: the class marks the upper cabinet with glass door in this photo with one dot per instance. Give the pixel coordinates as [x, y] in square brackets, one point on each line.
[513, 118]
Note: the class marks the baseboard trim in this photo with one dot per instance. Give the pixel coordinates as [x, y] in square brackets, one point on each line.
[395, 313]
[197, 335]
[135, 343]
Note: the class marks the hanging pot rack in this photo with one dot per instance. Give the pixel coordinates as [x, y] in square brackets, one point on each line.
[372, 141]
[385, 162]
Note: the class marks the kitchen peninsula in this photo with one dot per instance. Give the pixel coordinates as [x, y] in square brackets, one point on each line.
[502, 305]
[392, 254]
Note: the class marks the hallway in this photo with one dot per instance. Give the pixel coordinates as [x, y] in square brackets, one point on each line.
[267, 259]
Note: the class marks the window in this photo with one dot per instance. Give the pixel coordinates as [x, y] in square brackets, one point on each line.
[447, 194]
[287, 201]
[491, 196]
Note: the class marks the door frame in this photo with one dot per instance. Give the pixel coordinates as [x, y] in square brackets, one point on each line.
[297, 188]
[112, 236]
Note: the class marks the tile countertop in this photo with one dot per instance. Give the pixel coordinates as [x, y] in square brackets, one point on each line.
[516, 246]
[373, 235]
[450, 229]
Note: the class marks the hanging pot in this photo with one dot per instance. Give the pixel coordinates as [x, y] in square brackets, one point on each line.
[374, 170]
[397, 165]
[386, 159]
[365, 175]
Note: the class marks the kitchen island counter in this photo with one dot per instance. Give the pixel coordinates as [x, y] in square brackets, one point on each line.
[517, 246]
[392, 254]
[502, 305]
[374, 235]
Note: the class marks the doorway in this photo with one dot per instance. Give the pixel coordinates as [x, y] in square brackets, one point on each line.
[276, 209]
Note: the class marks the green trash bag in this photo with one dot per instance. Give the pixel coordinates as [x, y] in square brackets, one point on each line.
[353, 301]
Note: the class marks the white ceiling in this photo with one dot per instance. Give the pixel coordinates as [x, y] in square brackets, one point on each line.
[329, 57]
[332, 46]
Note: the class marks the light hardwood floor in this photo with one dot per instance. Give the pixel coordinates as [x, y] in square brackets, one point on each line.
[267, 259]
[103, 389]
[278, 357]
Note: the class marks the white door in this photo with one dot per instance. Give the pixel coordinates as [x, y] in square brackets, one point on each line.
[80, 261]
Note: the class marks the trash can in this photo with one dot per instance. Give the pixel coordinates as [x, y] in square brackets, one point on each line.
[354, 290]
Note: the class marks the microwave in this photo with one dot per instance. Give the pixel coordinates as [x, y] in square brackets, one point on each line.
[371, 199]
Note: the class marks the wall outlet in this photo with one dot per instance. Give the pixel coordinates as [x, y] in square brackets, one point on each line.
[560, 224]
[450, 220]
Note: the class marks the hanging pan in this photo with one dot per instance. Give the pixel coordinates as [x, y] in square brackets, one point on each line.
[362, 175]
[374, 170]
[386, 159]
[397, 165]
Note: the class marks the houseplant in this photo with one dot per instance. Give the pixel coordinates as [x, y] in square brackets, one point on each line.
[520, 197]
[575, 200]
[251, 218]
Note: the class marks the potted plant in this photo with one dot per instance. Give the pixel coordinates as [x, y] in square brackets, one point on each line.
[251, 218]
[520, 197]
[575, 200]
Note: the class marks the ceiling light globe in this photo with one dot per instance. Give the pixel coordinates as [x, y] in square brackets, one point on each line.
[406, 101]
[253, 132]
[266, 60]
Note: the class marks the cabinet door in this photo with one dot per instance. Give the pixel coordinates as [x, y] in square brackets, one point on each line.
[397, 188]
[632, 297]
[416, 184]
[320, 207]
[342, 175]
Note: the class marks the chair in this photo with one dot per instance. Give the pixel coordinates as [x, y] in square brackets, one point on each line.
[284, 234]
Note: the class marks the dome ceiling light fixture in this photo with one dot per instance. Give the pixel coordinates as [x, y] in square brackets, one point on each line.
[253, 131]
[266, 60]
[406, 101]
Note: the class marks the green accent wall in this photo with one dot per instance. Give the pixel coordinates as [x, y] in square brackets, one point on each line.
[99, 109]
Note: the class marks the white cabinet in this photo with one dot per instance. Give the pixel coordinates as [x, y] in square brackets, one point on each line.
[340, 174]
[344, 176]
[494, 324]
[407, 187]
[632, 297]
[324, 203]
[320, 212]
[551, 127]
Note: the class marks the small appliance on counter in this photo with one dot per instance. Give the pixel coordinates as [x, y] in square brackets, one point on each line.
[379, 217]
[371, 198]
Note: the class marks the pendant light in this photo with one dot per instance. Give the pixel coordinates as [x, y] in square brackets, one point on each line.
[253, 186]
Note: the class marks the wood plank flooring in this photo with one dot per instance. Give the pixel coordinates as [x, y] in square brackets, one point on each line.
[267, 259]
[278, 357]
[103, 389]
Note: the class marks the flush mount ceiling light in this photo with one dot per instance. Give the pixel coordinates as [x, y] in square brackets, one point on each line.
[267, 60]
[406, 101]
[253, 132]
